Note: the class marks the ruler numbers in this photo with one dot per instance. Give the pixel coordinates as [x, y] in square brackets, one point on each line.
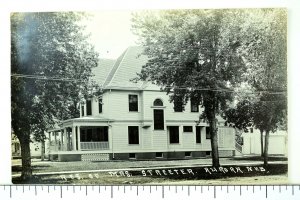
[150, 192]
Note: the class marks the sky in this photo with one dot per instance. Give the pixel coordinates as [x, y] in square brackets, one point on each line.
[110, 32]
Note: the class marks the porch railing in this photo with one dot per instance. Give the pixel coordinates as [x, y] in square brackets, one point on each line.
[94, 145]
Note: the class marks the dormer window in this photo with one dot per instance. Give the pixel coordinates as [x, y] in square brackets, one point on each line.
[158, 102]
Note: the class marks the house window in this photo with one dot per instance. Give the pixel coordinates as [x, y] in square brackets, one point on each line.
[102, 132]
[178, 104]
[158, 115]
[158, 102]
[208, 134]
[187, 129]
[100, 104]
[133, 102]
[132, 156]
[194, 105]
[82, 110]
[88, 107]
[198, 134]
[188, 154]
[133, 135]
[251, 130]
[174, 134]
[158, 154]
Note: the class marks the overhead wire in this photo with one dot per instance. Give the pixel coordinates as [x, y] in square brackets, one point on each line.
[41, 77]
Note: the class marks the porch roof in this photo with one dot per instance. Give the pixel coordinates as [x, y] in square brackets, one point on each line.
[86, 120]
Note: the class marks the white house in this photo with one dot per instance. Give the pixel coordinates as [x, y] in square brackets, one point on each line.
[134, 121]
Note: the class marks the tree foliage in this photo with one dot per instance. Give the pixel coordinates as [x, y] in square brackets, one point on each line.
[51, 64]
[193, 54]
[265, 53]
[208, 54]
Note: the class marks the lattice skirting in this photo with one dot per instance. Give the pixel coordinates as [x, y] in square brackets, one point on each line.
[95, 157]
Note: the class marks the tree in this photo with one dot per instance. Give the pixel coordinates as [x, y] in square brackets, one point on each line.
[51, 64]
[193, 55]
[264, 50]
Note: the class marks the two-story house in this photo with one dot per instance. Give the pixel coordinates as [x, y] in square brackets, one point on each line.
[134, 121]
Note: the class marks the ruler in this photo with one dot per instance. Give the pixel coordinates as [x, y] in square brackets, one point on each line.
[156, 192]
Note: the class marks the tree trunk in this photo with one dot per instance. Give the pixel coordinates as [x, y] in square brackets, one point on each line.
[214, 143]
[26, 158]
[42, 150]
[266, 155]
[261, 143]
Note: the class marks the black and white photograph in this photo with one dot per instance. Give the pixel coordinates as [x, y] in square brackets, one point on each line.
[149, 97]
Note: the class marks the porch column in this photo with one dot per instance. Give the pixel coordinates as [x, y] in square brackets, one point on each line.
[78, 138]
[74, 138]
[49, 141]
[55, 141]
[65, 139]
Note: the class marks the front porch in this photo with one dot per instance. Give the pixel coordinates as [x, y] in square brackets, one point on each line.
[80, 134]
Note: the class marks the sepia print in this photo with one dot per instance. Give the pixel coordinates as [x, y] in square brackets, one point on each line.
[149, 97]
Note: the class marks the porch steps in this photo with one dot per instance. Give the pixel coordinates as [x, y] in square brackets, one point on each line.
[95, 157]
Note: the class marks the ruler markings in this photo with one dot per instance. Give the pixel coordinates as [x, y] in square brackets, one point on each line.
[112, 192]
[61, 192]
[216, 190]
[215, 195]
[201, 189]
[279, 189]
[253, 189]
[176, 188]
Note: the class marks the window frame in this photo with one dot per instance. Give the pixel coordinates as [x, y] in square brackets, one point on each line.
[188, 131]
[173, 140]
[161, 124]
[100, 103]
[89, 107]
[194, 103]
[132, 140]
[178, 104]
[198, 134]
[133, 106]
[207, 132]
[82, 110]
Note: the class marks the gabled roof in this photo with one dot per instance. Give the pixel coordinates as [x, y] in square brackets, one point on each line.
[102, 70]
[126, 68]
